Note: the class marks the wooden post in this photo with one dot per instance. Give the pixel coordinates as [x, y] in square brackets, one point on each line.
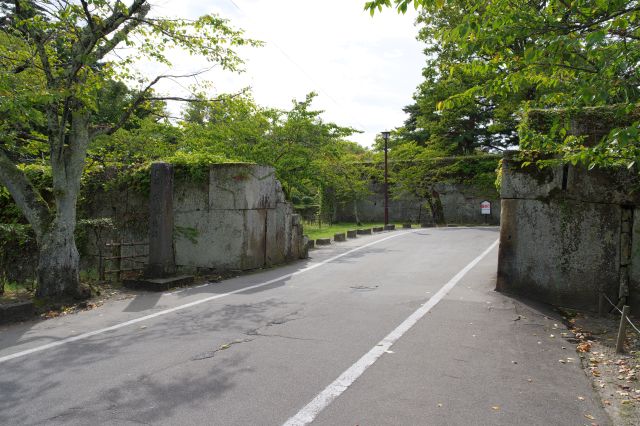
[622, 329]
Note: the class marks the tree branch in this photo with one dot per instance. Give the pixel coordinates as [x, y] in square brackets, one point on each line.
[26, 196]
[87, 14]
[143, 97]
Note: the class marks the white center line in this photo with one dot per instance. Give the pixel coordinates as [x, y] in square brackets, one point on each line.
[310, 411]
[189, 305]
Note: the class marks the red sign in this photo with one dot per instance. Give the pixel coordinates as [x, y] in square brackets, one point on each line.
[485, 207]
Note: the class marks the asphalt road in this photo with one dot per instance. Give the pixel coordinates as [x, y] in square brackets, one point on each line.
[267, 348]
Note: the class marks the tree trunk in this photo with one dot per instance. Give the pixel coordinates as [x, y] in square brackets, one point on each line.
[59, 261]
[355, 212]
[435, 205]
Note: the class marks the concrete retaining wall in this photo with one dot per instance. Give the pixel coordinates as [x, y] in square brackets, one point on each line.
[240, 218]
[460, 204]
[567, 234]
[237, 219]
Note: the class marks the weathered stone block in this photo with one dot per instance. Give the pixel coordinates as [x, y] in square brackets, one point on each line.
[215, 240]
[378, 228]
[366, 231]
[303, 248]
[406, 226]
[242, 187]
[311, 244]
[323, 241]
[255, 243]
[340, 237]
[389, 227]
[352, 233]
[625, 248]
[569, 182]
[190, 197]
[277, 234]
[560, 252]
[634, 267]
[529, 182]
[161, 222]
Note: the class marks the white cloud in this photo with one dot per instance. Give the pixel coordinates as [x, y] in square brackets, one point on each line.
[364, 69]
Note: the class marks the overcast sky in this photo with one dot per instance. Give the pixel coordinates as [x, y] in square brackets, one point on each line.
[364, 69]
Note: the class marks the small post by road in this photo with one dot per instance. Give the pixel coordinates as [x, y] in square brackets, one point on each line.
[622, 329]
[601, 305]
[385, 136]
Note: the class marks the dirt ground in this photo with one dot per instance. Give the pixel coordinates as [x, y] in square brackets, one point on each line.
[614, 376]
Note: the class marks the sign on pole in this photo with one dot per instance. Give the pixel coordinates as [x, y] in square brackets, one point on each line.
[485, 207]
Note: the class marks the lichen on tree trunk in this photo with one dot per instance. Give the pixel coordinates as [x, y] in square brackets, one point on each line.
[435, 205]
[58, 262]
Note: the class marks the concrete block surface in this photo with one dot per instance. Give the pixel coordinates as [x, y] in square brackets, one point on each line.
[19, 311]
[243, 187]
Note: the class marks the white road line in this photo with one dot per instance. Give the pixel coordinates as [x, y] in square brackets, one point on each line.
[310, 411]
[188, 305]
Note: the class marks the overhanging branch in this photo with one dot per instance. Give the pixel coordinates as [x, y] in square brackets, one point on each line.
[25, 195]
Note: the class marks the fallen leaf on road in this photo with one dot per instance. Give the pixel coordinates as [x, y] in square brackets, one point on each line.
[439, 405]
[581, 398]
[589, 416]
[584, 347]
[496, 407]
[562, 361]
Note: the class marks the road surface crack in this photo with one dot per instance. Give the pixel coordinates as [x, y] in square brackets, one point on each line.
[211, 354]
[258, 334]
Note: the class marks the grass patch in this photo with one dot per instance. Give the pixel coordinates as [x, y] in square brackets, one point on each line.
[15, 292]
[314, 231]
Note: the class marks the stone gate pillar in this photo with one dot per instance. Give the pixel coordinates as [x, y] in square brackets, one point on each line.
[161, 256]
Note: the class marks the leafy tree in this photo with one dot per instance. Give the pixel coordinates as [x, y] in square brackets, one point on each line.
[303, 148]
[573, 54]
[473, 123]
[233, 125]
[56, 59]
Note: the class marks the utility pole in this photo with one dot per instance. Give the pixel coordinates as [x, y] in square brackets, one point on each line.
[385, 136]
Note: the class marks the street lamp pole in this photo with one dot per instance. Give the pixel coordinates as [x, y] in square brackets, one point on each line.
[385, 136]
